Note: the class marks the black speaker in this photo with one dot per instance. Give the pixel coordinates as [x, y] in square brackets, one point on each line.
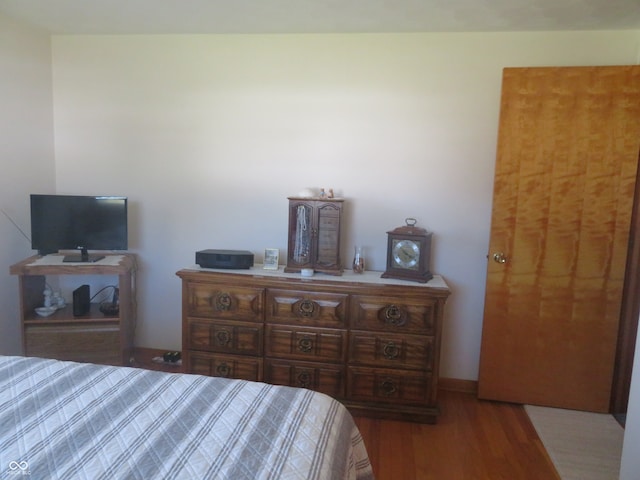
[81, 301]
[234, 259]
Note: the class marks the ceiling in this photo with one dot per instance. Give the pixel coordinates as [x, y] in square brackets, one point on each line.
[321, 16]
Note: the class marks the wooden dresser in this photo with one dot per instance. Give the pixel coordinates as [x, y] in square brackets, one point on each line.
[372, 343]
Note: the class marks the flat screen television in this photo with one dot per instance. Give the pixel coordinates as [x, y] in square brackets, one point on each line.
[78, 222]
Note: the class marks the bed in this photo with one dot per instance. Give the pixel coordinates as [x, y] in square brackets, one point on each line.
[66, 420]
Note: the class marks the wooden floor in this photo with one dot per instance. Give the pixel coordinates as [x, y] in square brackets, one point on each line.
[473, 439]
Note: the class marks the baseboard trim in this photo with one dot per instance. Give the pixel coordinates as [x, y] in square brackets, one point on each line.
[458, 385]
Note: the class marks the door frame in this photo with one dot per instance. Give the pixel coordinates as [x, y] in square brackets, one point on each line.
[630, 310]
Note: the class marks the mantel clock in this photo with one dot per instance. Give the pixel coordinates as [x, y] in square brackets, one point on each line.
[408, 253]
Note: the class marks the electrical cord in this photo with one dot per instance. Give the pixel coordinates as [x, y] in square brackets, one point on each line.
[108, 307]
[102, 290]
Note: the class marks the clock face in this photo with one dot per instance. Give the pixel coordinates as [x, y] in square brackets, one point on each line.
[405, 254]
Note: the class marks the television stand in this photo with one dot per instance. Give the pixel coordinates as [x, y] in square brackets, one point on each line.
[83, 257]
[97, 337]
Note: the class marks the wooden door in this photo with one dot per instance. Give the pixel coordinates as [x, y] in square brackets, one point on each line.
[564, 183]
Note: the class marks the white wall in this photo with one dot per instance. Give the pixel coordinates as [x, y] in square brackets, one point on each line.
[26, 154]
[208, 135]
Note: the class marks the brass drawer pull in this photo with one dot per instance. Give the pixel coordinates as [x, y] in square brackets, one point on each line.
[388, 387]
[306, 308]
[223, 370]
[223, 301]
[305, 345]
[304, 379]
[223, 338]
[394, 315]
[391, 351]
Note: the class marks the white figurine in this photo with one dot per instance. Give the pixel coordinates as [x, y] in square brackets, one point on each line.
[47, 297]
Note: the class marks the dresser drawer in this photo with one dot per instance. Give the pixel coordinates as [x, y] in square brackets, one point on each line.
[388, 386]
[228, 366]
[322, 377]
[237, 337]
[389, 350]
[393, 314]
[319, 309]
[212, 300]
[314, 344]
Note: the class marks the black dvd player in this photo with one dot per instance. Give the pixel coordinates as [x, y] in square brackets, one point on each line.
[235, 259]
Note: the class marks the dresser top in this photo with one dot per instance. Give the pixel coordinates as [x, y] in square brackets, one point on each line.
[348, 276]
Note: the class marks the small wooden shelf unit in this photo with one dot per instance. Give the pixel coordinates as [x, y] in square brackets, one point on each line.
[93, 337]
[373, 344]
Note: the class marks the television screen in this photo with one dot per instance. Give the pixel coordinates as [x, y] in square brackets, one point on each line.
[63, 222]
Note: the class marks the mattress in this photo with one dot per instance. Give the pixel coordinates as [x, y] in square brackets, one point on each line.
[66, 420]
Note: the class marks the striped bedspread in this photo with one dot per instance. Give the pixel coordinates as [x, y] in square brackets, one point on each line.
[65, 420]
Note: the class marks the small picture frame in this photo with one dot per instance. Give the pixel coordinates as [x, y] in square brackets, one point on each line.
[271, 258]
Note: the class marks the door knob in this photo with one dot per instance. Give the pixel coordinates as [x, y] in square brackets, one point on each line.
[499, 257]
